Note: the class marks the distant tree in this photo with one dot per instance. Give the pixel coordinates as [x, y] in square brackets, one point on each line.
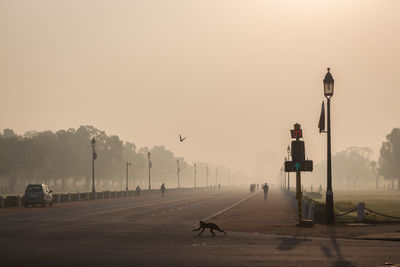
[63, 160]
[389, 159]
[374, 167]
[350, 168]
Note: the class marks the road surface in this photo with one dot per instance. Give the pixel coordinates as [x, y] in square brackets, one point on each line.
[155, 231]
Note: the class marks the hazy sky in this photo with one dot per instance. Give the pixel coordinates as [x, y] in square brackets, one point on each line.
[234, 76]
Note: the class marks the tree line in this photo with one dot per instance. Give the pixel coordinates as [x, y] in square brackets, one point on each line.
[353, 168]
[63, 160]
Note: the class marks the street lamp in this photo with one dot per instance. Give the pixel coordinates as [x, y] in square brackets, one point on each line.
[178, 170]
[149, 161]
[127, 165]
[288, 174]
[94, 156]
[207, 175]
[328, 92]
[216, 177]
[195, 172]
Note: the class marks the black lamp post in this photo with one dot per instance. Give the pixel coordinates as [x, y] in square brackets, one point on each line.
[195, 174]
[288, 174]
[328, 91]
[207, 176]
[94, 156]
[127, 166]
[178, 170]
[149, 161]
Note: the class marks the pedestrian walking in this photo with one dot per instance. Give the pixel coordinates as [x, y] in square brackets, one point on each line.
[265, 188]
[163, 189]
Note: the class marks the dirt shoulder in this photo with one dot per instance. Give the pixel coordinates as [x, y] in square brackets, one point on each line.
[276, 216]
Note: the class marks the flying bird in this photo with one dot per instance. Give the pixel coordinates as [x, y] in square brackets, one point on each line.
[181, 139]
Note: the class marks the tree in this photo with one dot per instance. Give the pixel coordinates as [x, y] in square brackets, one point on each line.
[351, 168]
[63, 160]
[389, 158]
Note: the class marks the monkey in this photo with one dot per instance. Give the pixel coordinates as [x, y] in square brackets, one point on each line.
[211, 226]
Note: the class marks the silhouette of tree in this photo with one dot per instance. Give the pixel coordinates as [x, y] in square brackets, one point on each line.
[63, 160]
[389, 158]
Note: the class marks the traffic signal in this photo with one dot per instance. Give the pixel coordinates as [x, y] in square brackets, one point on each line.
[298, 151]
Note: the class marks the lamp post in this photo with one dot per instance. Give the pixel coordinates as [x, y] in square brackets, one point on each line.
[178, 170]
[216, 177]
[288, 174]
[94, 156]
[127, 166]
[207, 175]
[195, 173]
[149, 161]
[328, 92]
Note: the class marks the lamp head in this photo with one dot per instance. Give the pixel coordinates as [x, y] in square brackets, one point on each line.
[328, 84]
[93, 143]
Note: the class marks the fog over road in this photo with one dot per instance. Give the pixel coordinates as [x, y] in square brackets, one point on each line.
[154, 231]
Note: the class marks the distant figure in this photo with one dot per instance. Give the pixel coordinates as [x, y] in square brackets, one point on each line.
[320, 188]
[138, 189]
[258, 186]
[266, 188]
[181, 139]
[252, 188]
[311, 188]
[219, 186]
[163, 189]
[211, 226]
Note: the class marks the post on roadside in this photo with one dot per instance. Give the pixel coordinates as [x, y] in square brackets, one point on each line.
[298, 164]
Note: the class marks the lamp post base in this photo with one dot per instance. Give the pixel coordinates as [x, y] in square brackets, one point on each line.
[330, 217]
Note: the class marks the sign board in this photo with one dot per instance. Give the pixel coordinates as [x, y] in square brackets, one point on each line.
[304, 166]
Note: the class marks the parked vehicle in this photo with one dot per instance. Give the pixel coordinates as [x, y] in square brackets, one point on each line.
[38, 194]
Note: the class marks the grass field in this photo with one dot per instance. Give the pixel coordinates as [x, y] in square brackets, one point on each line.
[384, 202]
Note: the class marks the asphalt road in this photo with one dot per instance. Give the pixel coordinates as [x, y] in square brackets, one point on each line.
[155, 231]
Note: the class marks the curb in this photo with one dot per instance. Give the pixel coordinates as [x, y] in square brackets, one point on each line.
[393, 239]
